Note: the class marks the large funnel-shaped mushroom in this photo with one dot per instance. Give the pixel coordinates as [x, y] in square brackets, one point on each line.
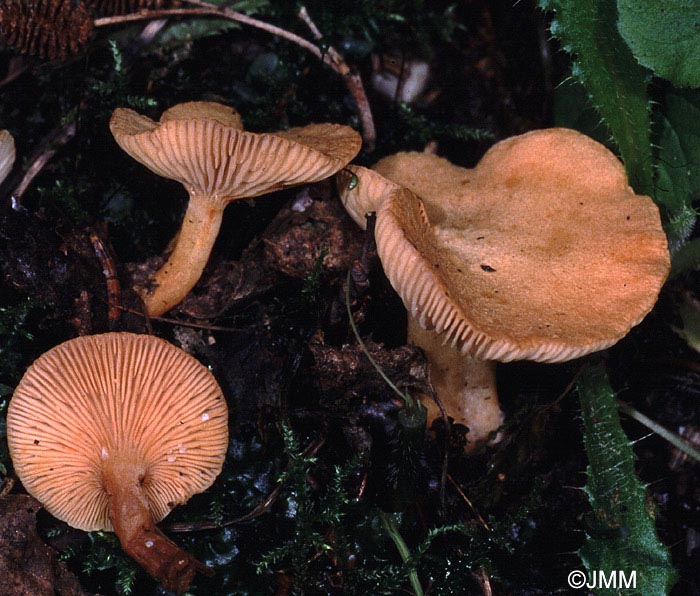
[542, 252]
[203, 146]
[110, 432]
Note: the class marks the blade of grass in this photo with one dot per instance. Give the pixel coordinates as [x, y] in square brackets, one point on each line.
[664, 433]
[390, 526]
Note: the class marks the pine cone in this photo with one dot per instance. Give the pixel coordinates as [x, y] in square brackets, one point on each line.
[53, 29]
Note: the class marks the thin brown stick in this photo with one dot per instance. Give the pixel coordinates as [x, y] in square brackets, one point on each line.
[47, 149]
[17, 66]
[111, 280]
[468, 502]
[257, 511]
[483, 579]
[146, 15]
[331, 57]
[353, 82]
[262, 507]
[207, 9]
[179, 322]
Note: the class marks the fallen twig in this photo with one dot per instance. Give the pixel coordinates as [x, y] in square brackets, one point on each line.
[311, 450]
[111, 280]
[43, 154]
[17, 66]
[181, 323]
[353, 81]
[468, 502]
[331, 57]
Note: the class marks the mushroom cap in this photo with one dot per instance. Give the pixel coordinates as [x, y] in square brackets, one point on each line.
[224, 115]
[7, 154]
[211, 157]
[541, 252]
[132, 398]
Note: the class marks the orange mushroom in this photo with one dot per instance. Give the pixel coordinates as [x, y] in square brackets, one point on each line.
[541, 252]
[110, 432]
[203, 146]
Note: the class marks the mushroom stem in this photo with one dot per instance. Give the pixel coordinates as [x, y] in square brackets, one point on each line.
[465, 385]
[133, 523]
[184, 267]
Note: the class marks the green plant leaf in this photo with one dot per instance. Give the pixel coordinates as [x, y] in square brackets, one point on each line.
[621, 534]
[572, 109]
[189, 30]
[616, 83]
[678, 163]
[664, 35]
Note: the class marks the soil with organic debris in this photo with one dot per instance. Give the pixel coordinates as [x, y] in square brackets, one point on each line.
[318, 455]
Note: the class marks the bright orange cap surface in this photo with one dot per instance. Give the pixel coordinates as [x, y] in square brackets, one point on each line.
[541, 252]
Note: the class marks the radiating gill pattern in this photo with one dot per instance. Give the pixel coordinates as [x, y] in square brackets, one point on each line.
[367, 193]
[212, 159]
[95, 399]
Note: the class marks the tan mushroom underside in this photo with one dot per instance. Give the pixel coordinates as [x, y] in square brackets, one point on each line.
[541, 252]
[116, 399]
[202, 145]
[225, 163]
[362, 191]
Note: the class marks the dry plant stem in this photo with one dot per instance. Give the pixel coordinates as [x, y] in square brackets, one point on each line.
[353, 82]
[263, 507]
[184, 267]
[331, 57]
[663, 432]
[18, 65]
[47, 149]
[146, 15]
[468, 502]
[466, 386]
[133, 524]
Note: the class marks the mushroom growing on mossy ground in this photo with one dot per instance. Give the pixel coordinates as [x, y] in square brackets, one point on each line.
[203, 146]
[541, 252]
[110, 432]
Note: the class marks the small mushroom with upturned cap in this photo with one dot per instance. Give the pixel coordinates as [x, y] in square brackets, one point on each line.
[541, 252]
[110, 432]
[203, 146]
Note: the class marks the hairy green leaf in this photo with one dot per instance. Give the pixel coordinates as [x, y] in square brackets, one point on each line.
[616, 83]
[621, 534]
[678, 164]
[664, 35]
